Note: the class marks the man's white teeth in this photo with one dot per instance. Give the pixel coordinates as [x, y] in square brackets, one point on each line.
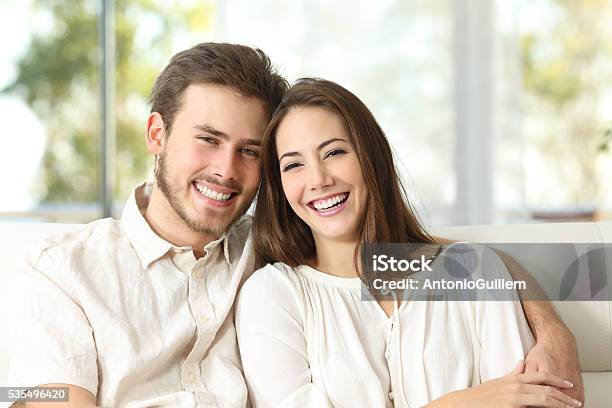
[215, 195]
[330, 202]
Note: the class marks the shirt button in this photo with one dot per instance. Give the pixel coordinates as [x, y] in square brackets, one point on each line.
[387, 355]
[391, 395]
[197, 274]
[205, 318]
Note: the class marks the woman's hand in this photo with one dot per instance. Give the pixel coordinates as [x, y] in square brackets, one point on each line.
[557, 354]
[514, 390]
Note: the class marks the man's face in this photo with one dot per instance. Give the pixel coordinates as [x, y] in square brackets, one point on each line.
[209, 165]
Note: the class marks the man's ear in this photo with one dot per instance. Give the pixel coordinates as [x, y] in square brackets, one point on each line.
[155, 133]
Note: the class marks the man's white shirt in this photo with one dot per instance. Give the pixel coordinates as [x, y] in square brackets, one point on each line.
[138, 322]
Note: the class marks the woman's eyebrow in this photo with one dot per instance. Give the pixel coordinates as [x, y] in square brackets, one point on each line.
[325, 143]
[321, 146]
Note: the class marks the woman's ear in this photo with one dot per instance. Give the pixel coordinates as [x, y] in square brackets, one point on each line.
[155, 133]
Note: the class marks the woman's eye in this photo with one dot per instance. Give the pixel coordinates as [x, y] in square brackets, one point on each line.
[290, 166]
[334, 152]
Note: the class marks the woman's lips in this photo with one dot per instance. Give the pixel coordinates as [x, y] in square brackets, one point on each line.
[334, 209]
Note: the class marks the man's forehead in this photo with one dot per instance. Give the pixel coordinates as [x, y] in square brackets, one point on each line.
[220, 108]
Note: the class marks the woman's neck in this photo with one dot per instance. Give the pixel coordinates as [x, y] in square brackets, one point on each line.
[335, 257]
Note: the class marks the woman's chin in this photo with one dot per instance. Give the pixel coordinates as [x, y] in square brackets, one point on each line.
[338, 235]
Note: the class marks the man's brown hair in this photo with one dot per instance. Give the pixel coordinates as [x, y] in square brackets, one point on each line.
[279, 234]
[247, 70]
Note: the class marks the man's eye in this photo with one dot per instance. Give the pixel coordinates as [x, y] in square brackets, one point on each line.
[207, 139]
[249, 152]
[290, 166]
[334, 152]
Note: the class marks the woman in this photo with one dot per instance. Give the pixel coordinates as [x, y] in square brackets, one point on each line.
[307, 337]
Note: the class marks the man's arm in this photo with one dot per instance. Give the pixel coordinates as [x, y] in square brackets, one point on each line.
[555, 350]
[53, 342]
[77, 398]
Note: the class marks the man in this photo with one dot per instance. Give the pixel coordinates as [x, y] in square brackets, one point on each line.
[139, 310]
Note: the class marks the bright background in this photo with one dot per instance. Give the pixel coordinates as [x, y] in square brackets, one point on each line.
[498, 111]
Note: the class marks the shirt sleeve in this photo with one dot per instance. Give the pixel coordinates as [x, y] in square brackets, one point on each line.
[51, 339]
[503, 332]
[273, 344]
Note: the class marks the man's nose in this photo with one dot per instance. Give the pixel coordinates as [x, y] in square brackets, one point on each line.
[225, 166]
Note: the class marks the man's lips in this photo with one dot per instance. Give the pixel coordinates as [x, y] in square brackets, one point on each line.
[214, 192]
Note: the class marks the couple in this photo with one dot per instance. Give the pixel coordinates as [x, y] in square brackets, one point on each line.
[139, 311]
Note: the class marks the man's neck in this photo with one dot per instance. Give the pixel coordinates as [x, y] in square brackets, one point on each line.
[166, 223]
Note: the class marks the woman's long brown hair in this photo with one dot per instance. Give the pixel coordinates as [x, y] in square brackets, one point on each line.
[280, 235]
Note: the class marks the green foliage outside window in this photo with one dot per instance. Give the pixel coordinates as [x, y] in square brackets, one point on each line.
[59, 78]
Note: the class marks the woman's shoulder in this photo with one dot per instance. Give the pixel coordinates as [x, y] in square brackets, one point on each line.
[269, 291]
[270, 278]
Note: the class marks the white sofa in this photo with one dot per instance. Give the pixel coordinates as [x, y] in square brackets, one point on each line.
[591, 322]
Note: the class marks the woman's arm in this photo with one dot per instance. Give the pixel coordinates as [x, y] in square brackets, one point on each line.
[514, 390]
[272, 343]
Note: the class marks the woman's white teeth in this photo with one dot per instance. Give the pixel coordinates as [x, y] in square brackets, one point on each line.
[330, 202]
[215, 195]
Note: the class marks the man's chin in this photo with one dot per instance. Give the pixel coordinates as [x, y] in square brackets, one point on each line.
[211, 222]
[209, 218]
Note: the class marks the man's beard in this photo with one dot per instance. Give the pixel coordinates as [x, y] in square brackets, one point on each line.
[172, 189]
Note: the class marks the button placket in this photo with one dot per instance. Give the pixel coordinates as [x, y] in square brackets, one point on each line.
[191, 375]
[393, 344]
[197, 274]
[203, 314]
[201, 306]
[206, 400]
[201, 311]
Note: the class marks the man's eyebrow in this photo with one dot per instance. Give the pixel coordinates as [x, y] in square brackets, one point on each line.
[211, 130]
[248, 141]
[218, 133]
[321, 146]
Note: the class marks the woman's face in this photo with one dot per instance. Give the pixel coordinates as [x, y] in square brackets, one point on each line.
[320, 173]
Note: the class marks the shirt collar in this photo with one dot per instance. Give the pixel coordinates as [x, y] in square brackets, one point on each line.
[148, 245]
[228, 236]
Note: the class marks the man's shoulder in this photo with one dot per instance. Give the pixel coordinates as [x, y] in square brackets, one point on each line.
[84, 241]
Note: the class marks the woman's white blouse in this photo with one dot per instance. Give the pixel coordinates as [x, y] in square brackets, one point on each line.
[307, 339]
